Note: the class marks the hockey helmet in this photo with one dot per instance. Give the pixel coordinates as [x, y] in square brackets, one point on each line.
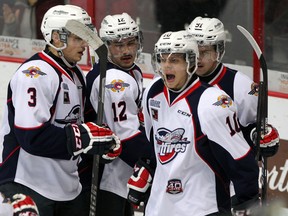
[177, 42]
[56, 17]
[120, 26]
[209, 31]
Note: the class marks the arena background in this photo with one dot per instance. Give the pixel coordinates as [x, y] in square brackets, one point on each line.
[267, 20]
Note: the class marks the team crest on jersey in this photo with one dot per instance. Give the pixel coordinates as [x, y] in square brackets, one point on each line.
[72, 117]
[33, 72]
[170, 143]
[174, 186]
[117, 85]
[254, 89]
[223, 101]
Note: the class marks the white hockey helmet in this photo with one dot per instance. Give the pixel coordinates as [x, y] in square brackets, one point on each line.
[177, 42]
[120, 26]
[209, 31]
[56, 17]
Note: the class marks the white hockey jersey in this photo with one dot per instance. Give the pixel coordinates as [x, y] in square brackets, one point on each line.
[243, 92]
[123, 94]
[42, 98]
[199, 148]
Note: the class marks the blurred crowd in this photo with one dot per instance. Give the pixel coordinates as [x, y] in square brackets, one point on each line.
[22, 18]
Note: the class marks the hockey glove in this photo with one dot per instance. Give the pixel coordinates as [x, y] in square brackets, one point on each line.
[269, 144]
[24, 206]
[140, 182]
[89, 138]
[247, 208]
[113, 153]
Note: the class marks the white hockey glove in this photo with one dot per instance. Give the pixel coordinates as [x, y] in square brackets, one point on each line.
[24, 206]
[270, 143]
[89, 138]
[140, 182]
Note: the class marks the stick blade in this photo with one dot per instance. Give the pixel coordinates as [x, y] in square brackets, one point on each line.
[83, 31]
[251, 40]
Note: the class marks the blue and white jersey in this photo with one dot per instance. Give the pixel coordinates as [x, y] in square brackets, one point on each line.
[242, 90]
[122, 103]
[42, 98]
[199, 148]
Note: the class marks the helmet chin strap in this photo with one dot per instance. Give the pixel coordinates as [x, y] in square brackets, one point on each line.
[184, 86]
[189, 77]
[212, 70]
[61, 55]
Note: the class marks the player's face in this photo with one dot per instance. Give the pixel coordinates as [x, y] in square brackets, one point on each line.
[207, 61]
[123, 52]
[173, 67]
[75, 49]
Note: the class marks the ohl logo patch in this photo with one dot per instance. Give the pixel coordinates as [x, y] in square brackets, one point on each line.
[223, 101]
[170, 143]
[33, 72]
[117, 85]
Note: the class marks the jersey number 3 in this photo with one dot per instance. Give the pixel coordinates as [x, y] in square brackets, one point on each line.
[32, 93]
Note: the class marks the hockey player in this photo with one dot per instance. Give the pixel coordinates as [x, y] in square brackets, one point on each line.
[211, 37]
[198, 152]
[123, 94]
[42, 134]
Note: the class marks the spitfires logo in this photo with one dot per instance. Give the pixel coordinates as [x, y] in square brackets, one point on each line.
[254, 89]
[33, 72]
[223, 101]
[117, 85]
[73, 116]
[170, 143]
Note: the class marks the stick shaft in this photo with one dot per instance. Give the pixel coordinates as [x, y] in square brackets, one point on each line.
[262, 109]
[102, 54]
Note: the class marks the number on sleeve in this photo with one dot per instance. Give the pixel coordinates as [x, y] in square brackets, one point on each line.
[121, 108]
[236, 128]
[32, 92]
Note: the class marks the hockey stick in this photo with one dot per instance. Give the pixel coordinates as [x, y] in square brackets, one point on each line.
[262, 108]
[96, 44]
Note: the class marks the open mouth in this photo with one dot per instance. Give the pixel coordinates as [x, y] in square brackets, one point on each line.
[170, 77]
